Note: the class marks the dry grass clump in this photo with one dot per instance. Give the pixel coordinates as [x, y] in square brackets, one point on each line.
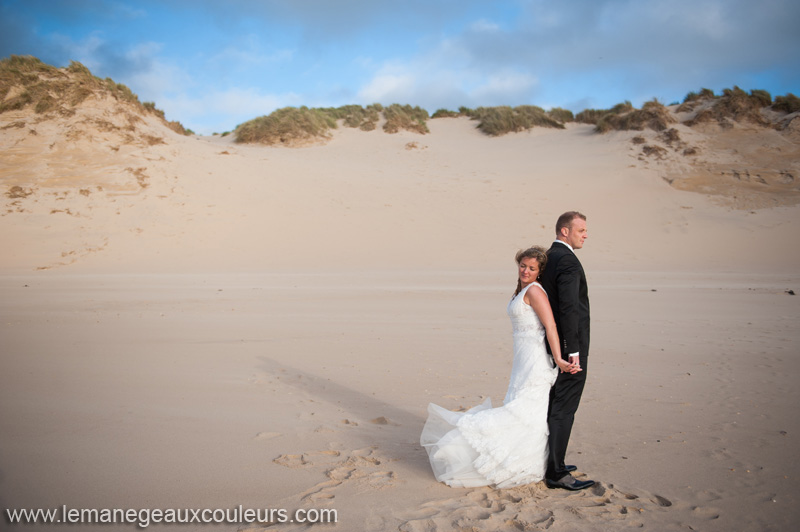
[561, 115]
[693, 99]
[496, 121]
[671, 135]
[364, 118]
[58, 91]
[654, 151]
[174, 125]
[590, 116]
[787, 104]
[445, 113]
[593, 116]
[292, 125]
[17, 192]
[761, 96]
[704, 94]
[287, 126]
[738, 106]
[623, 117]
[405, 117]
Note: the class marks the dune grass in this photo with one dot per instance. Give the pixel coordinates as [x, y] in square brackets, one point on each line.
[356, 116]
[625, 117]
[288, 126]
[405, 117]
[445, 113]
[653, 115]
[496, 121]
[735, 105]
[25, 81]
[561, 115]
[593, 116]
[58, 91]
[787, 104]
[293, 125]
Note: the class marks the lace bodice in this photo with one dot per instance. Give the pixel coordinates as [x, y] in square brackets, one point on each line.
[524, 321]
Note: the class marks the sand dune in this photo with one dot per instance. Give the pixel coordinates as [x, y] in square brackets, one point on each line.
[189, 322]
[87, 198]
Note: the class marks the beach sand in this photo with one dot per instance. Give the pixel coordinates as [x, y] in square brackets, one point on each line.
[193, 323]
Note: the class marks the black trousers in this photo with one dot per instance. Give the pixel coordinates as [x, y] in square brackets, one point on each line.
[565, 396]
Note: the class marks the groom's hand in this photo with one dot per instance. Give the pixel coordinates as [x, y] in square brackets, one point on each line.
[571, 366]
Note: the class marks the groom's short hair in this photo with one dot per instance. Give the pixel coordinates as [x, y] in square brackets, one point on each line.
[565, 220]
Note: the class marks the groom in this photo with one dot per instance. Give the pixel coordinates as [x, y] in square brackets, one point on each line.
[565, 283]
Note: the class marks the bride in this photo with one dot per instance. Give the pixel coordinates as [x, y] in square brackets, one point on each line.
[505, 446]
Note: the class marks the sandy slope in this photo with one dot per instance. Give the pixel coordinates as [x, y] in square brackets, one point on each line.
[193, 323]
[365, 200]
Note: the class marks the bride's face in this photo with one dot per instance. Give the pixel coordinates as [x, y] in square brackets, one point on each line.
[528, 270]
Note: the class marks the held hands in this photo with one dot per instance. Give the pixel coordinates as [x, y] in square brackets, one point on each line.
[573, 366]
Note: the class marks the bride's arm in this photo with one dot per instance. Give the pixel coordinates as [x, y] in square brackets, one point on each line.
[537, 299]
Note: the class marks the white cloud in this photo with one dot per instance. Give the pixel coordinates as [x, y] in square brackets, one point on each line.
[159, 79]
[387, 88]
[84, 51]
[248, 53]
[510, 86]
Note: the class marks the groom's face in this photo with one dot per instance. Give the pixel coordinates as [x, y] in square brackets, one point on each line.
[576, 233]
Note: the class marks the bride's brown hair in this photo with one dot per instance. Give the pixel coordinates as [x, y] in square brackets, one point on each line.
[534, 252]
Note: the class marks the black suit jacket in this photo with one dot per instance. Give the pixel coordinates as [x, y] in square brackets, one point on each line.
[565, 283]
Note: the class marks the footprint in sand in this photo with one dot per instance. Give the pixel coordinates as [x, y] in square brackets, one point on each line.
[535, 507]
[364, 468]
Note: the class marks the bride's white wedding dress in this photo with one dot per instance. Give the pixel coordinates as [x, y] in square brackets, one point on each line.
[504, 446]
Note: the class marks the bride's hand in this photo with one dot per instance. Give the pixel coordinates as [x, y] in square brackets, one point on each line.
[567, 367]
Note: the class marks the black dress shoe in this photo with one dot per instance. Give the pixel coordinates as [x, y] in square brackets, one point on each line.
[570, 468]
[568, 482]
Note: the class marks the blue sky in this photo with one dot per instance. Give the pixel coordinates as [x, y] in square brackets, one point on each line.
[214, 64]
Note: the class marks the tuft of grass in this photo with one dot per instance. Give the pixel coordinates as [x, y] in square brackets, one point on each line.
[624, 107]
[496, 121]
[654, 151]
[364, 118]
[596, 116]
[623, 117]
[693, 99]
[405, 117]
[175, 126]
[704, 94]
[288, 126]
[561, 115]
[787, 104]
[444, 113]
[735, 105]
[670, 136]
[151, 107]
[593, 116]
[590, 116]
[761, 96]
